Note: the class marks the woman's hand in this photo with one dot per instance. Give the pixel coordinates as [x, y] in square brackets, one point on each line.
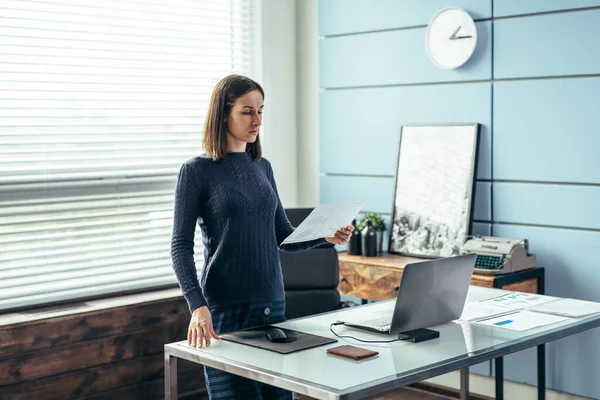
[201, 327]
[341, 236]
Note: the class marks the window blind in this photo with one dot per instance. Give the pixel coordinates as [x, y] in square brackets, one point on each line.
[100, 103]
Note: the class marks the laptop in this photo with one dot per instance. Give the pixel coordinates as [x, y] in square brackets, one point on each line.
[431, 293]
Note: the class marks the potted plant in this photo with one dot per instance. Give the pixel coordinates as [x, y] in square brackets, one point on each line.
[378, 224]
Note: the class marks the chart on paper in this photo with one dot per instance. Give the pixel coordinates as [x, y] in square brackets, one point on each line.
[522, 320]
[519, 300]
[324, 221]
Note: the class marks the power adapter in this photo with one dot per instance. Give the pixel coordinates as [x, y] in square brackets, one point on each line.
[419, 335]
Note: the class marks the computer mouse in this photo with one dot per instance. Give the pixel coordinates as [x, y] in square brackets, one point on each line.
[275, 335]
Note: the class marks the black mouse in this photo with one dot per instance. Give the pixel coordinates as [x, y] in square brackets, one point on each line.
[275, 335]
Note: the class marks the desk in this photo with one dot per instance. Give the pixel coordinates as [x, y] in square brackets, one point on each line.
[316, 374]
[378, 278]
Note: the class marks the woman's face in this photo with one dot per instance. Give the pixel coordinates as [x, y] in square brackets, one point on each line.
[245, 118]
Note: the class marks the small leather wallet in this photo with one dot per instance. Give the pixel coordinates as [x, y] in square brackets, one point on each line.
[355, 353]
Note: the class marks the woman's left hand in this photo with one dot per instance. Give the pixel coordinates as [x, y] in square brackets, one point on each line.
[341, 236]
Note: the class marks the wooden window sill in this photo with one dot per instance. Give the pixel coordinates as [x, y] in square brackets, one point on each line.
[87, 306]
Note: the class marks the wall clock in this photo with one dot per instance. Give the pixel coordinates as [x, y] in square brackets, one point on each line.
[451, 38]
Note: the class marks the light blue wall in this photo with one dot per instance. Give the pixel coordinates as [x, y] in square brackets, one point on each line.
[534, 86]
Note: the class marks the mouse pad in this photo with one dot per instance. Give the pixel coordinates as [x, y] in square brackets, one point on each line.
[296, 340]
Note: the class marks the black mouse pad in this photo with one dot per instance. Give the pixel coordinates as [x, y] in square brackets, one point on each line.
[296, 341]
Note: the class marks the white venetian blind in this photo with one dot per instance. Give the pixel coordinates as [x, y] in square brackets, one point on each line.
[100, 103]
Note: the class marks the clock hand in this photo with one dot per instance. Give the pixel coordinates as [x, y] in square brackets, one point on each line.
[455, 32]
[462, 37]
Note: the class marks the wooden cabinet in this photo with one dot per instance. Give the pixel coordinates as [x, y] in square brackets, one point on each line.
[378, 278]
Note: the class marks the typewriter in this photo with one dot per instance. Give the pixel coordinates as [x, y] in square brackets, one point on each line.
[496, 255]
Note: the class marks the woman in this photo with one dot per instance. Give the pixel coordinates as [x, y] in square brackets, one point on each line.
[231, 192]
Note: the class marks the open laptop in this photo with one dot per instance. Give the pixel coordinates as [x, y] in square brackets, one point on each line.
[431, 293]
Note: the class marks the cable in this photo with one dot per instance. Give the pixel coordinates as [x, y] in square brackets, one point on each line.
[360, 340]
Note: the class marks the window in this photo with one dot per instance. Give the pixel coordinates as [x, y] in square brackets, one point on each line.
[100, 103]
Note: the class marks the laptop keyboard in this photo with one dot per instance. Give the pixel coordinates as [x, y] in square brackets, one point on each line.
[379, 323]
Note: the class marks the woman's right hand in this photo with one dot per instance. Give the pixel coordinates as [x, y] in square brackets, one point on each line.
[201, 327]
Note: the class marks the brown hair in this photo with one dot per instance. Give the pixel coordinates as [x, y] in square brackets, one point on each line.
[226, 92]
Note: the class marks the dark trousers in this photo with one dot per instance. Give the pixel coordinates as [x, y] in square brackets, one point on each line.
[223, 385]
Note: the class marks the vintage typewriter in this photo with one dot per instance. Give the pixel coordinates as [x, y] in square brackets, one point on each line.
[496, 255]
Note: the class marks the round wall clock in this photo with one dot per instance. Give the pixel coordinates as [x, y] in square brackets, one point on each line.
[451, 38]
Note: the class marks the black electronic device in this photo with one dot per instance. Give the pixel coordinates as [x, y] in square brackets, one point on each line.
[275, 335]
[419, 335]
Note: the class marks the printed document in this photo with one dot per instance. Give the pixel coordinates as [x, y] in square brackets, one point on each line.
[519, 300]
[475, 310]
[569, 308]
[324, 221]
[522, 320]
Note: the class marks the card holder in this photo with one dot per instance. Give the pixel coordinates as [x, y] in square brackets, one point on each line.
[355, 353]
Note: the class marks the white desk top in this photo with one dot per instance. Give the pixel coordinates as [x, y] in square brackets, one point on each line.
[317, 374]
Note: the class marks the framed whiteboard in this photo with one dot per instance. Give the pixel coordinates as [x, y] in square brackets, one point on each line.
[435, 185]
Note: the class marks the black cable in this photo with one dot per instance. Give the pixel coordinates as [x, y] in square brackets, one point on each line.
[360, 340]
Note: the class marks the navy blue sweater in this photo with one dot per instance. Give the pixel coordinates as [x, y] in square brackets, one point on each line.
[243, 223]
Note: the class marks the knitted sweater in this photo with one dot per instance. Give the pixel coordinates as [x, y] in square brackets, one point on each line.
[236, 203]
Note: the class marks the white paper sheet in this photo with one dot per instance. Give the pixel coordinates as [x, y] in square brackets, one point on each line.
[522, 320]
[569, 308]
[518, 300]
[324, 221]
[475, 310]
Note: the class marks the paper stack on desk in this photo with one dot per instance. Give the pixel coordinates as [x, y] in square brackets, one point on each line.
[568, 308]
[522, 320]
[475, 310]
[518, 300]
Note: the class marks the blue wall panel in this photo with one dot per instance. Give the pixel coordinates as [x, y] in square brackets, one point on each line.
[546, 130]
[379, 193]
[360, 128]
[569, 256]
[352, 16]
[482, 229]
[546, 169]
[482, 206]
[547, 45]
[542, 204]
[571, 260]
[504, 8]
[395, 57]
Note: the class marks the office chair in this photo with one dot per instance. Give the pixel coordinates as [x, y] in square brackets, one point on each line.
[310, 277]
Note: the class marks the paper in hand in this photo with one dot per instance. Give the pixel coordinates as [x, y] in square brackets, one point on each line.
[324, 221]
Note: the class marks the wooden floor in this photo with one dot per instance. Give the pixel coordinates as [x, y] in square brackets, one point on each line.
[409, 394]
[404, 394]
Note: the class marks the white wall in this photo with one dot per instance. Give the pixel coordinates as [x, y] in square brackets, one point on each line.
[279, 82]
[307, 50]
[289, 76]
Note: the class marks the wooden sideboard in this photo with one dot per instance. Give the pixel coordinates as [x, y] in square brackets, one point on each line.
[378, 278]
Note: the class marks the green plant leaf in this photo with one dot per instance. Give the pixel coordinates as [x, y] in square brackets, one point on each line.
[376, 220]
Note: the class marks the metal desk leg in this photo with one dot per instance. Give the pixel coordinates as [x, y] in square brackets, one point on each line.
[170, 377]
[464, 383]
[541, 355]
[499, 378]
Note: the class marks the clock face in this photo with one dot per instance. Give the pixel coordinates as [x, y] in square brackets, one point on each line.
[451, 38]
